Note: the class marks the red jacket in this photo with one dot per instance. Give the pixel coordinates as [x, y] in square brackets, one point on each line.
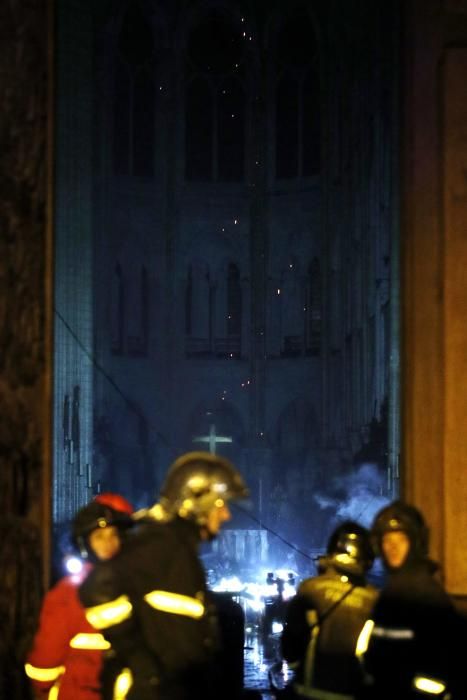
[67, 651]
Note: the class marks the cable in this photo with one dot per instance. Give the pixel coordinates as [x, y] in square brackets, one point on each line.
[141, 416]
[107, 376]
[273, 532]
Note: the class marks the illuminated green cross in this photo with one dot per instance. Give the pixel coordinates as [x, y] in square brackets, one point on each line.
[213, 439]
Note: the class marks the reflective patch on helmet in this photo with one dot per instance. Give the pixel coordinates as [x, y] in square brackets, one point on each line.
[43, 674]
[395, 523]
[123, 684]
[157, 512]
[175, 604]
[109, 614]
[364, 638]
[430, 686]
[220, 487]
[89, 641]
[392, 633]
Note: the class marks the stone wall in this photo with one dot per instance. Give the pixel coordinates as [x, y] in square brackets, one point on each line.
[25, 323]
[24, 272]
[434, 258]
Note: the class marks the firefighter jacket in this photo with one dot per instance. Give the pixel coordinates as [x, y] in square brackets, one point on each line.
[66, 655]
[151, 603]
[323, 624]
[412, 650]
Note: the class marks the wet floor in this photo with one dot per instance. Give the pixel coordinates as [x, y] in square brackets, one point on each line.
[263, 664]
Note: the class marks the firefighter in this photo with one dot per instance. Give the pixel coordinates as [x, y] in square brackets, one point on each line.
[66, 657]
[411, 651]
[326, 617]
[151, 602]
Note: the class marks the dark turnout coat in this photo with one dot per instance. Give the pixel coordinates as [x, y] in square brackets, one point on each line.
[323, 624]
[418, 639]
[151, 603]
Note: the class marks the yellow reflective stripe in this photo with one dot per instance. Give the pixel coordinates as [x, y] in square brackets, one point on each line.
[431, 686]
[122, 684]
[175, 603]
[53, 692]
[108, 614]
[364, 638]
[89, 641]
[318, 694]
[43, 674]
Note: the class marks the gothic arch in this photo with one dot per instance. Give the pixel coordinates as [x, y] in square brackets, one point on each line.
[198, 308]
[197, 12]
[296, 429]
[295, 447]
[279, 15]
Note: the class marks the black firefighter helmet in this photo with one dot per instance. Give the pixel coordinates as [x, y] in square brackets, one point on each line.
[196, 482]
[349, 549]
[402, 517]
[91, 517]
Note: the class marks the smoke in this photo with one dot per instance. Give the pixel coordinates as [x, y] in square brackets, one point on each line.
[357, 496]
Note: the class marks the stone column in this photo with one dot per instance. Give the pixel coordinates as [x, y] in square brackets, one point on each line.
[434, 290]
[73, 351]
[25, 327]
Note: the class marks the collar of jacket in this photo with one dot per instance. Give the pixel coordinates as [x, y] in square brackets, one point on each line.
[188, 530]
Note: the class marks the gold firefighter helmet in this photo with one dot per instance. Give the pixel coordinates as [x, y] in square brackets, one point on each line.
[198, 481]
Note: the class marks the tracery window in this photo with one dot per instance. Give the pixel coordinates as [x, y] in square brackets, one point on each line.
[133, 137]
[215, 101]
[297, 100]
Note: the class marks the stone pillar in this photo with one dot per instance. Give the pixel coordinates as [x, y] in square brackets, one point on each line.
[455, 314]
[26, 261]
[73, 351]
[434, 289]
[25, 328]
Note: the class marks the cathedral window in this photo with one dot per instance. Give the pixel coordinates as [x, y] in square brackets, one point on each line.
[231, 136]
[199, 310]
[199, 129]
[133, 137]
[215, 102]
[297, 100]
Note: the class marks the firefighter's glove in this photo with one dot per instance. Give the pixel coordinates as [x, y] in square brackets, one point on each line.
[144, 689]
